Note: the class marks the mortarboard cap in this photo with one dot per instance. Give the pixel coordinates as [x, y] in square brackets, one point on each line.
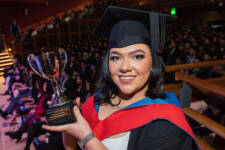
[129, 26]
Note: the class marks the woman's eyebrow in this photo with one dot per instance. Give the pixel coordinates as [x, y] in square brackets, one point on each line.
[136, 51]
[115, 52]
[130, 53]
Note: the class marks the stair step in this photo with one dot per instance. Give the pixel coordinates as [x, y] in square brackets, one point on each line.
[5, 61]
[6, 64]
[5, 57]
[4, 54]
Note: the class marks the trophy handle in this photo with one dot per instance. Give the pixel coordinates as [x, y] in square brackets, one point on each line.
[62, 51]
[31, 58]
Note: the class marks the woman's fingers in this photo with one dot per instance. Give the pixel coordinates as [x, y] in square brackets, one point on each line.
[61, 128]
[78, 102]
[77, 113]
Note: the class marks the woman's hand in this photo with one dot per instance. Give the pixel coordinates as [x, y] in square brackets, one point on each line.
[79, 129]
[199, 106]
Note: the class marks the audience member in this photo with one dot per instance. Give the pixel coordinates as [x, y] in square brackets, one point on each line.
[15, 30]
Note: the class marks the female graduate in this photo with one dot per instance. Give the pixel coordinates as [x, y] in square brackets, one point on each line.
[130, 110]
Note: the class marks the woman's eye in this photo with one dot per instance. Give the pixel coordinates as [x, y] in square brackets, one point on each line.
[139, 57]
[114, 58]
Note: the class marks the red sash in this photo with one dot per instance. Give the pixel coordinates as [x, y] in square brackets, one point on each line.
[127, 119]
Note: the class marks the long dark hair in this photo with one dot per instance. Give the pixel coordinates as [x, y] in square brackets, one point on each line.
[109, 89]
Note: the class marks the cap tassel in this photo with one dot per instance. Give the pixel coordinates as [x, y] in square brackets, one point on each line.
[163, 31]
[154, 31]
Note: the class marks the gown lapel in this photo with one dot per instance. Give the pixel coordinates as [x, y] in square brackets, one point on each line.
[135, 115]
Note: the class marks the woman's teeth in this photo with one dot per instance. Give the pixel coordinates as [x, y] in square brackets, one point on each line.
[127, 78]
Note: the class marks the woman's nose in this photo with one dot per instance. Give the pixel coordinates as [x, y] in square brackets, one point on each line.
[125, 65]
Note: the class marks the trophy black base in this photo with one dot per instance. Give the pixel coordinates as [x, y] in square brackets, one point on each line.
[62, 114]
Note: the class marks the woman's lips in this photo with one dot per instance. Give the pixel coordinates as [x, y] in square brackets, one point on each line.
[126, 79]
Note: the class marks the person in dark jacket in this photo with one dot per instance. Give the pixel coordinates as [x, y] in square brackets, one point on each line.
[49, 141]
[32, 122]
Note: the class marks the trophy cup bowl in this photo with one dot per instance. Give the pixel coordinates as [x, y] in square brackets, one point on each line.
[49, 65]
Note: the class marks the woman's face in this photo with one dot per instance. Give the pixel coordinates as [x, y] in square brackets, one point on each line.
[130, 68]
[88, 86]
[206, 57]
[75, 74]
[79, 81]
[45, 87]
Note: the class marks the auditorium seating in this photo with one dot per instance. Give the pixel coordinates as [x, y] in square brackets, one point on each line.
[213, 85]
[69, 32]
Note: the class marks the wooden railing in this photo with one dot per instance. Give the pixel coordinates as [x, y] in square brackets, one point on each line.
[214, 88]
[215, 85]
[175, 88]
[219, 80]
[207, 122]
[202, 119]
[67, 32]
[203, 145]
[175, 68]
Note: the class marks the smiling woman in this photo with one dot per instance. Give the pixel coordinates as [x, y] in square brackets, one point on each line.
[130, 110]
[130, 69]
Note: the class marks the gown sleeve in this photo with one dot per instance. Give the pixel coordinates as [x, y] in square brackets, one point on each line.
[159, 135]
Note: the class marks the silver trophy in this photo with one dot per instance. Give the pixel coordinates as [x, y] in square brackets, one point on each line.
[49, 65]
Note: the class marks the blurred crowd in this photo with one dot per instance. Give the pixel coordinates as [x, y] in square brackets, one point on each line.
[89, 11]
[189, 44]
[30, 93]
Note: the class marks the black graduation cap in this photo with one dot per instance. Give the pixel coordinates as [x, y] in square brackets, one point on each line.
[129, 26]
